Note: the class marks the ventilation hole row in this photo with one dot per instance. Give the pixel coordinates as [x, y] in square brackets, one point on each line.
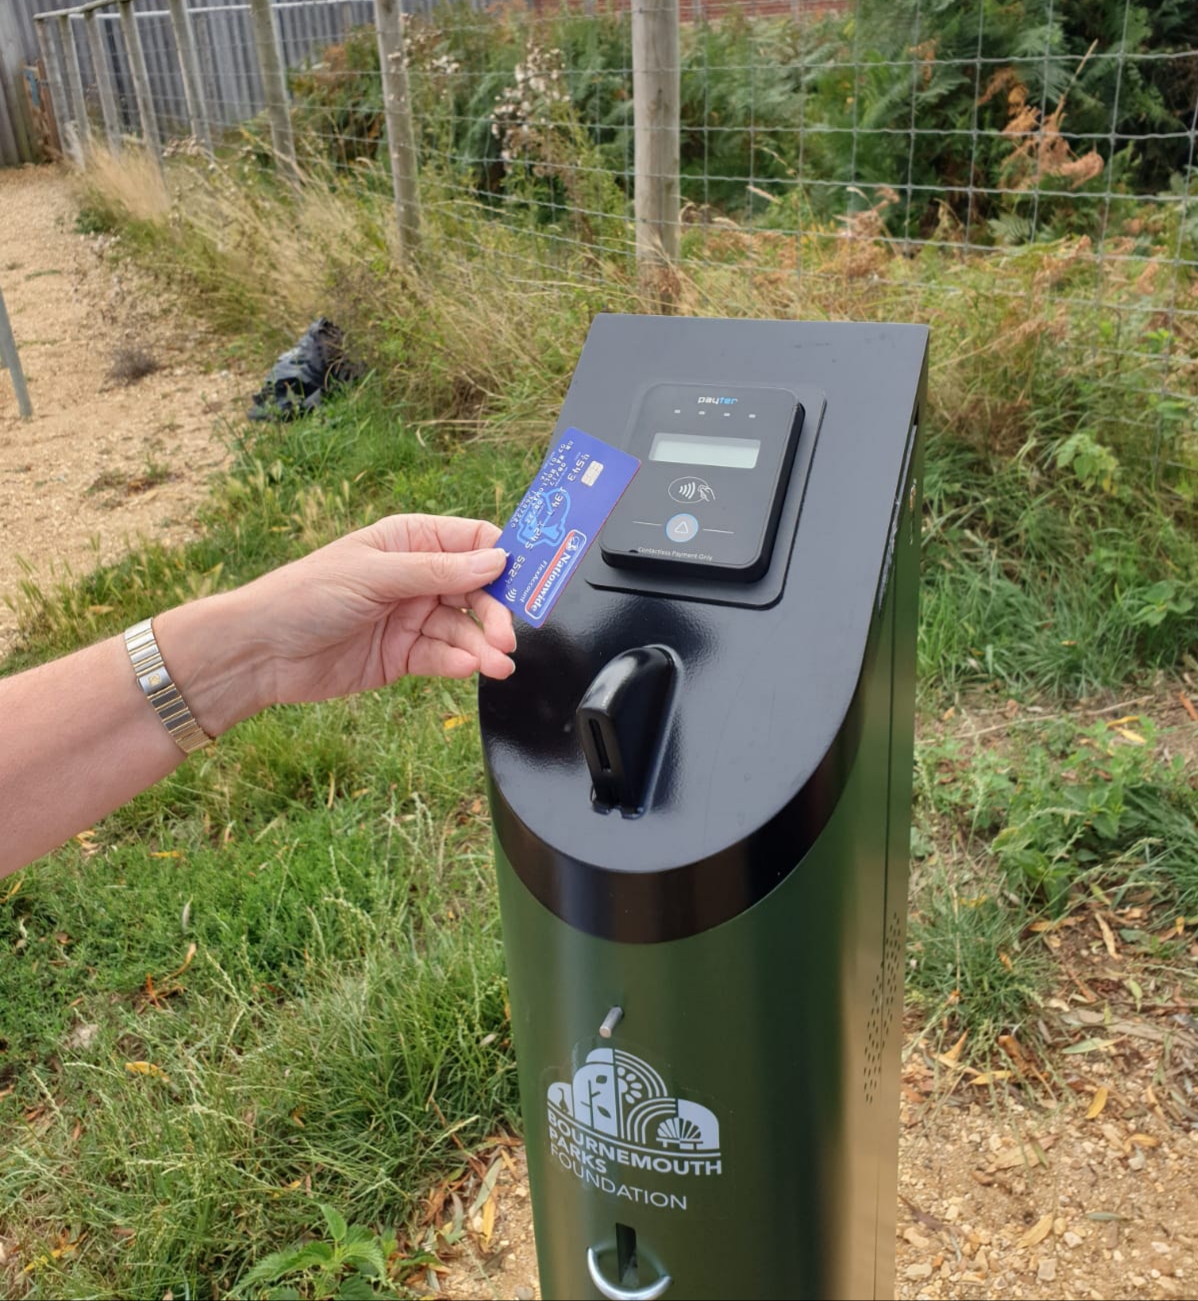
[886, 989]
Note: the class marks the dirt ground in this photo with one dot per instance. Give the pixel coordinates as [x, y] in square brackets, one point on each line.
[1075, 1174]
[104, 460]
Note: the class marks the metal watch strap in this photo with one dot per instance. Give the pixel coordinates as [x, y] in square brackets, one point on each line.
[155, 680]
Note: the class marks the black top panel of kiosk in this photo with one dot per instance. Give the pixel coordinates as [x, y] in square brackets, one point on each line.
[715, 461]
[761, 715]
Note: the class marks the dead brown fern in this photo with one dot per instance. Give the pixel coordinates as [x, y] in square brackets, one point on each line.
[1039, 148]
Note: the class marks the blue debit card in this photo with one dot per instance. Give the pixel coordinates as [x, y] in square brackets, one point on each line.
[560, 516]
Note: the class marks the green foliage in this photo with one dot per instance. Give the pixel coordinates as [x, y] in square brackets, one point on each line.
[911, 95]
[969, 960]
[1054, 812]
[336, 101]
[350, 1266]
[96, 218]
[1034, 583]
[1095, 465]
[1103, 810]
[315, 963]
[926, 90]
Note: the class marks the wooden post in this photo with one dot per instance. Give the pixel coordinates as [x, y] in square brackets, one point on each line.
[8, 355]
[70, 51]
[47, 38]
[102, 66]
[347, 18]
[274, 85]
[656, 90]
[193, 82]
[13, 55]
[141, 83]
[397, 108]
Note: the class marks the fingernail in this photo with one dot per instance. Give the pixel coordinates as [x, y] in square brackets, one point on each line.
[488, 562]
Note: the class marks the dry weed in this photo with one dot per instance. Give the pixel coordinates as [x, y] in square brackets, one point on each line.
[130, 182]
[129, 364]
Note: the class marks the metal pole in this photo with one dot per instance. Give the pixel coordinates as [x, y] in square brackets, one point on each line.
[8, 355]
[48, 39]
[141, 83]
[656, 90]
[397, 108]
[102, 66]
[70, 51]
[193, 82]
[274, 84]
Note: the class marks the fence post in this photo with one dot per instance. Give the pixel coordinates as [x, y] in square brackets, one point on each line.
[8, 355]
[397, 108]
[274, 85]
[70, 51]
[12, 55]
[141, 83]
[102, 66]
[48, 40]
[193, 83]
[656, 75]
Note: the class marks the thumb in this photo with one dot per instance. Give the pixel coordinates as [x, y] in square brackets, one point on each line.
[441, 573]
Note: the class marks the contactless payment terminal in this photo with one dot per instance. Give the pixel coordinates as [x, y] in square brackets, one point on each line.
[714, 468]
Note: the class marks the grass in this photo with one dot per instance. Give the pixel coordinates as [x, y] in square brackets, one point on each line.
[330, 865]
[275, 981]
[1056, 812]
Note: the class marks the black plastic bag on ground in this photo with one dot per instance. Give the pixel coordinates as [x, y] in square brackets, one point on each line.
[302, 376]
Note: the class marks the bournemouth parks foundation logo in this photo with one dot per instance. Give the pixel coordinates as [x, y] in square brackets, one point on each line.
[616, 1127]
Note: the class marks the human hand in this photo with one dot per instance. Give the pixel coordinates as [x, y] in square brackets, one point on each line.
[392, 599]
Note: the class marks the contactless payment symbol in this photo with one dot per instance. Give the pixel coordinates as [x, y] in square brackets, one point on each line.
[692, 489]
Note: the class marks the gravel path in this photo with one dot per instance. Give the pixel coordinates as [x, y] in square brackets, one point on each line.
[102, 462]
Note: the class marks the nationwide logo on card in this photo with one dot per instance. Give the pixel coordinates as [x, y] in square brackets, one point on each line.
[568, 555]
[616, 1121]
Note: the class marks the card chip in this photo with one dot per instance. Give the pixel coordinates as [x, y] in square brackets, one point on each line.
[592, 472]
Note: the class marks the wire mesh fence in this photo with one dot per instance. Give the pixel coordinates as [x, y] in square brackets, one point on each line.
[1020, 174]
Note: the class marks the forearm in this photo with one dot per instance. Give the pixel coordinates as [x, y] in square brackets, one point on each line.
[78, 738]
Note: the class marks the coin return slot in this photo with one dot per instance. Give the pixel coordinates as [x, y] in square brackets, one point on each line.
[626, 1254]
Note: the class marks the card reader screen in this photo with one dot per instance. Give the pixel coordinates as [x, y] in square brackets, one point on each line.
[698, 449]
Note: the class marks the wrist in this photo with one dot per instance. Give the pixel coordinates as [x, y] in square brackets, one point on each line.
[216, 659]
